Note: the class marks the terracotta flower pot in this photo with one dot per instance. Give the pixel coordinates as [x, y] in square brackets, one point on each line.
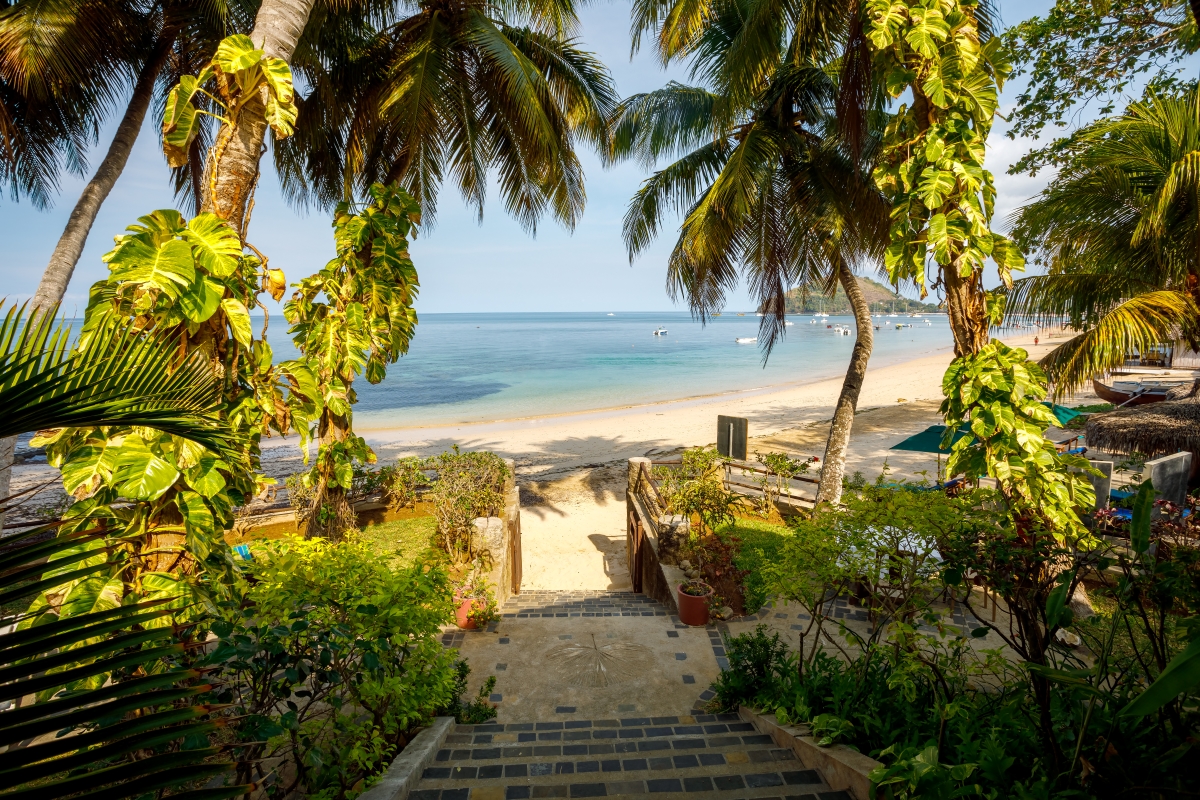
[462, 614]
[693, 609]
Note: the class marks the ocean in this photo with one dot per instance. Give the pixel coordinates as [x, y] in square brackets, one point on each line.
[484, 367]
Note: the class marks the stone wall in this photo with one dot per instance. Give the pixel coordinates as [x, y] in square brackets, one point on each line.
[501, 538]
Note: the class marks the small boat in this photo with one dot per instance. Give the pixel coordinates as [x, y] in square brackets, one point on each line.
[822, 314]
[789, 323]
[812, 322]
[611, 314]
[878, 327]
[740, 314]
[1129, 393]
[660, 332]
[903, 325]
[716, 313]
[746, 339]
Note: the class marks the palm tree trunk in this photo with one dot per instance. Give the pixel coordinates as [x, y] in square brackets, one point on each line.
[834, 467]
[70, 245]
[57, 274]
[231, 175]
[966, 310]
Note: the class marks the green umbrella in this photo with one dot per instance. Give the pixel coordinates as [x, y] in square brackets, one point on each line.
[1062, 413]
[929, 440]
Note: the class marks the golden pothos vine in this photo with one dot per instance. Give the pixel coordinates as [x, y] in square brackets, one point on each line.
[942, 196]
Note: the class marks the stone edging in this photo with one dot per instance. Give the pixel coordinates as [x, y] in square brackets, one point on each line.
[839, 766]
[404, 773]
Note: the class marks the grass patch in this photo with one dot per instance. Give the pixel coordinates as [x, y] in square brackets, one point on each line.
[760, 542]
[401, 541]
[1095, 408]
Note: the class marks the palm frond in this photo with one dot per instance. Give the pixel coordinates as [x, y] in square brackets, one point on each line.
[153, 714]
[119, 378]
[1134, 325]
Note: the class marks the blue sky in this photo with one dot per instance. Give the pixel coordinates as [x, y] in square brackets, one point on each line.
[463, 266]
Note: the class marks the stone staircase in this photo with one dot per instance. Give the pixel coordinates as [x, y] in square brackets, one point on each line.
[700, 756]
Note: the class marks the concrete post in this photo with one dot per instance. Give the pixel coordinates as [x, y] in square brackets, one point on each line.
[1169, 476]
[1103, 483]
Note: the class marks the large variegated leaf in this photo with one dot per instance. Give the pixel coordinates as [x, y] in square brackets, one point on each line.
[215, 245]
[239, 320]
[168, 268]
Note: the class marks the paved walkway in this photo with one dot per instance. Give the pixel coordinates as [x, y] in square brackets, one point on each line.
[695, 756]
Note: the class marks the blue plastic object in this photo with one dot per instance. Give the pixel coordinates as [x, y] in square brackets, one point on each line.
[243, 550]
[1078, 451]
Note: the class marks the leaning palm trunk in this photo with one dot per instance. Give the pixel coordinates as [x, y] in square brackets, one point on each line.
[70, 245]
[834, 466]
[66, 254]
[232, 170]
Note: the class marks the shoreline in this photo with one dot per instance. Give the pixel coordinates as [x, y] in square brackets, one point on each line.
[545, 446]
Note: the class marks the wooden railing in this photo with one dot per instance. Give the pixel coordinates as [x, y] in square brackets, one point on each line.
[784, 485]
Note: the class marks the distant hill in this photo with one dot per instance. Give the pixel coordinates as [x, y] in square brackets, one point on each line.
[879, 296]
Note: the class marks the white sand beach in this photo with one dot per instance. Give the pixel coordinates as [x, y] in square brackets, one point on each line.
[571, 467]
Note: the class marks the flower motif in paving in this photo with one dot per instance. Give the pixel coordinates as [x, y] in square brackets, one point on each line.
[589, 664]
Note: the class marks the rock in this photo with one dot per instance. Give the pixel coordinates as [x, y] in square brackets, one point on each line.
[692, 574]
[685, 565]
[1068, 638]
[726, 612]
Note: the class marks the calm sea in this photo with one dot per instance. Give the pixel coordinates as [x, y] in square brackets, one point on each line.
[477, 367]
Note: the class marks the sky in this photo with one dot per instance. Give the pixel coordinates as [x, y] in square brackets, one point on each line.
[463, 266]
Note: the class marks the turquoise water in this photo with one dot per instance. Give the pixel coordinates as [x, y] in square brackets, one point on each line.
[477, 367]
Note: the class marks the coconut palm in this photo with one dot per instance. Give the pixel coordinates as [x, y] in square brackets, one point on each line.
[453, 90]
[770, 193]
[63, 66]
[1118, 230]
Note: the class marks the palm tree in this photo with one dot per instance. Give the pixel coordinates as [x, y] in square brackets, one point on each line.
[766, 185]
[63, 64]
[456, 89]
[1118, 230]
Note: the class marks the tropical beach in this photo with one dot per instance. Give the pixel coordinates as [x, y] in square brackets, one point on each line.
[720, 399]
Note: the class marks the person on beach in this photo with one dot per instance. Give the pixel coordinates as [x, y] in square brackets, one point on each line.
[1035, 341]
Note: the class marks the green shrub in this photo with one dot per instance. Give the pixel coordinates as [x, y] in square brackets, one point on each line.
[330, 658]
[468, 486]
[474, 711]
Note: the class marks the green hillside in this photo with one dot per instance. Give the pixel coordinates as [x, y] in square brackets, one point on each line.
[880, 297]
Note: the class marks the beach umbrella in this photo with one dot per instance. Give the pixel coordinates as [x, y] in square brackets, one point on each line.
[1062, 413]
[1156, 429]
[929, 440]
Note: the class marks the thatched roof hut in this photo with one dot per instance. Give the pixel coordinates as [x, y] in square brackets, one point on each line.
[1156, 429]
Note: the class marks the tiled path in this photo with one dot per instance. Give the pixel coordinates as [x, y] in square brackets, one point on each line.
[699, 756]
[600, 694]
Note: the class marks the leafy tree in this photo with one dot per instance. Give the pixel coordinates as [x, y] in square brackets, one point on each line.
[765, 184]
[1084, 52]
[1117, 231]
[364, 323]
[933, 152]
[451, 90]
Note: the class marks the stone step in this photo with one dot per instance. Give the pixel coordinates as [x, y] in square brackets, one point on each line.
[728, 787]
[502, 753]
[563, 770]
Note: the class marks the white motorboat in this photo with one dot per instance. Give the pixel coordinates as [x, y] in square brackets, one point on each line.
[611, 314]
[746, 339]
[812, 322]
[660, 331]
[789, 323]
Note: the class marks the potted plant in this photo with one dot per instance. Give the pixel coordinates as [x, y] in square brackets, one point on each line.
[693, 597]
[473, 606]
